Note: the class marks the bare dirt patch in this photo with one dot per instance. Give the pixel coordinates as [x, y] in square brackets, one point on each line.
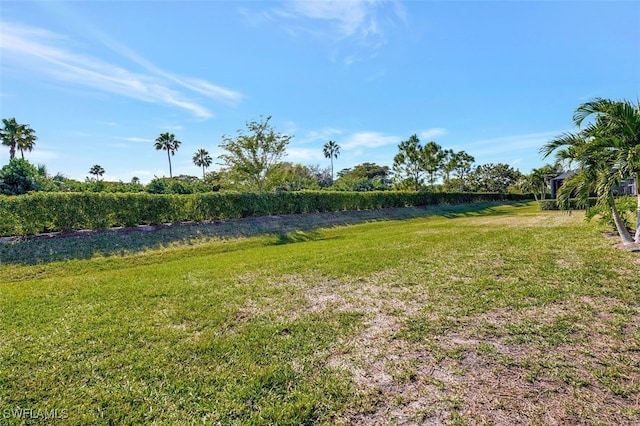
[557, 364]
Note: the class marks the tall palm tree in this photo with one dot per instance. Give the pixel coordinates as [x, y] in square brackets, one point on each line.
[27, 139]
[202, 159]
[618, 127]
[169, 143]
[97, 171]
[597, 154]
[10, 135]
[331, 150]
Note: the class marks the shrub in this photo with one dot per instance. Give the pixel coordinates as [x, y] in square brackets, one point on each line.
[41, 212]
[19, 177]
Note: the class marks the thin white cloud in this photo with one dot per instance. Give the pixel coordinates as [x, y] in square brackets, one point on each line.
[321, 135]
[432, 133]
[361, 23]
[369, 140]
[304, 155]
[136, 139]
[527, 141]
[39, 50]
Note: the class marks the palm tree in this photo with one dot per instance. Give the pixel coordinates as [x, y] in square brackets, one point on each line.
[618, 127]
[10, 135]
[169, 143]
[202, 159]
[600, 154]
[97, 171]
[27, 139]
[331, 150]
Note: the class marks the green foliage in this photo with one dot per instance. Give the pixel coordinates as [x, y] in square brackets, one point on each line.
[168, 142]
[251, 156]
[626, 207]
[97, 171]
[493, 178]
[19, 177]
[16, 135]
[291, 177]
[201, 158]
[363, 177]
[409, 164]
[178, 185]
[46, 212]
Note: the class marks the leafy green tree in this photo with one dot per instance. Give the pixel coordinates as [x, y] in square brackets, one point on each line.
[19, 177]
[456, 168]
[448, 164]
[168, 142]
[433, 160]
[292, 177]
[202, 159]
[215, 180]
[97, 171]
[364, 177]
[493, 178]
[251, 156]
[331, 150]
[409, 163]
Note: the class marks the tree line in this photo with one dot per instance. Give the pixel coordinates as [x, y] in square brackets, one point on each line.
[252, 161]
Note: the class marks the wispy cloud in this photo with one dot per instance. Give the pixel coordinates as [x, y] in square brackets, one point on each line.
[40, 50]
[369, 140]
[513, 143]
[432, 133]
[136, 139]
[304, 155]
[362, 23]
[321, 135]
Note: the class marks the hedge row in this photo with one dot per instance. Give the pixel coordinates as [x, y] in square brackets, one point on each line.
[49, 212]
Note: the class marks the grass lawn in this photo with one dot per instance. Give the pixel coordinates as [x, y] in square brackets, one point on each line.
[480, 314]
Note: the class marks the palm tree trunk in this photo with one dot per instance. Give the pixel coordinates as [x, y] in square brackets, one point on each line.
[332, 169]
[169, 157]
[625, 237]
[203, 172]
[12, 151]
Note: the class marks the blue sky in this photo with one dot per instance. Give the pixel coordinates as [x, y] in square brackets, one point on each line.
[100, 80]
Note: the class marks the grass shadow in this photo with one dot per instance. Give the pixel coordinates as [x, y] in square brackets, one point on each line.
[287, 229]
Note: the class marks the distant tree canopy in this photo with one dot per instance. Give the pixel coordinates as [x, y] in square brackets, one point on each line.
[493, 178]
[364, 177]
[251, 156]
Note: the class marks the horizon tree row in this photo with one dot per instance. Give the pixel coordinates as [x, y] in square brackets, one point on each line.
[252, 160]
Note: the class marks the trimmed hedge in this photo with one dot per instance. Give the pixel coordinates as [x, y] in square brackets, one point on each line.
[50, 212]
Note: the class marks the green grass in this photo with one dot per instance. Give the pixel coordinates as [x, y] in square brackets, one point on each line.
[463, 315]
